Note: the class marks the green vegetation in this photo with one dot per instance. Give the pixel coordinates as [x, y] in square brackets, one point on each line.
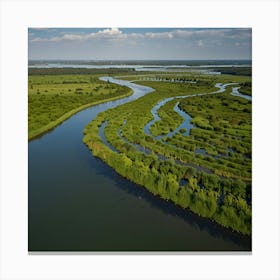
[207, 172]
[245, 71]
[77, 71]
[169, 119]
[54, 98]
[246, 88]
[217, 184]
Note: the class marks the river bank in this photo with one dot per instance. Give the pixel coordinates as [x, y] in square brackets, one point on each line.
[53, 124]
[135, 167]
[81, 204]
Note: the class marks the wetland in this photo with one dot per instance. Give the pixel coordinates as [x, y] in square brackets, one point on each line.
[145, 161]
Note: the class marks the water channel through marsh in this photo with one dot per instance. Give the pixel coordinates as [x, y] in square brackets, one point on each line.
[77, 203]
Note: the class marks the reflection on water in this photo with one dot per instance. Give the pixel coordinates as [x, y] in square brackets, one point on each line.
[78, 203]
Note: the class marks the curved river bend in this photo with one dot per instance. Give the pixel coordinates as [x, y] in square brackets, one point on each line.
[187, 118]
[77, 203]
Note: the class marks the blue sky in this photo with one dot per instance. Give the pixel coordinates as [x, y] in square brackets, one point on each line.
[139, 43]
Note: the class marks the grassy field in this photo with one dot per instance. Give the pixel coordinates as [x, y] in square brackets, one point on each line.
[54, 98]
[215, 183]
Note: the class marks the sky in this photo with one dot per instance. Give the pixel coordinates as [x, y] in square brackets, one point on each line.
[139, 43]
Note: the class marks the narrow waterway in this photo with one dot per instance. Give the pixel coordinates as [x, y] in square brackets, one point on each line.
[186, 124]
[235, 92]
[77, 203]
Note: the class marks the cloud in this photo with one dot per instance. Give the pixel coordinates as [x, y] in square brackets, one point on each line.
[159, 35]
[117, 34]
[113, 33]
[38, 39]
[109, 32]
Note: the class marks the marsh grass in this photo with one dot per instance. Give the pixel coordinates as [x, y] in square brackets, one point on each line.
[222, 127]
[54, 98]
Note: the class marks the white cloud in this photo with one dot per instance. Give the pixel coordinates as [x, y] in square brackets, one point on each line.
[109, 32]
[113, 33]
[38, 39]
[116, 34]
[159, 35]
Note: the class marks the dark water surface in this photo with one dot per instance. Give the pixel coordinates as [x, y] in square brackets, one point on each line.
[77, 203]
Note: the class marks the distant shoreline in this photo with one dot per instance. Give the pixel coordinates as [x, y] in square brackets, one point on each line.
[142, 63]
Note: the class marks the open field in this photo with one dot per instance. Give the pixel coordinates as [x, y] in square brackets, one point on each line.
[54, 98]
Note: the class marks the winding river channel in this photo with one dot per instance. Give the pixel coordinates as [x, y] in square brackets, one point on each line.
[186, 124]
[77, 203]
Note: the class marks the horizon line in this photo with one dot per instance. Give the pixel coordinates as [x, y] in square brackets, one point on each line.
[151, 59]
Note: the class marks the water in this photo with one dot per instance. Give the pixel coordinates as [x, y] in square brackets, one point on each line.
[200, 151]
[77, 203]
[104, 139]
[116, 64]
[147, 66]
[186, 124]
[235, 92]
[136, 67]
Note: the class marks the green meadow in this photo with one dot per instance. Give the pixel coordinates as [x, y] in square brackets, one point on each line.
[54, 98]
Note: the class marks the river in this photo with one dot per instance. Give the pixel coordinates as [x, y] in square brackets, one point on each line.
[77, 203]
[186, 123]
